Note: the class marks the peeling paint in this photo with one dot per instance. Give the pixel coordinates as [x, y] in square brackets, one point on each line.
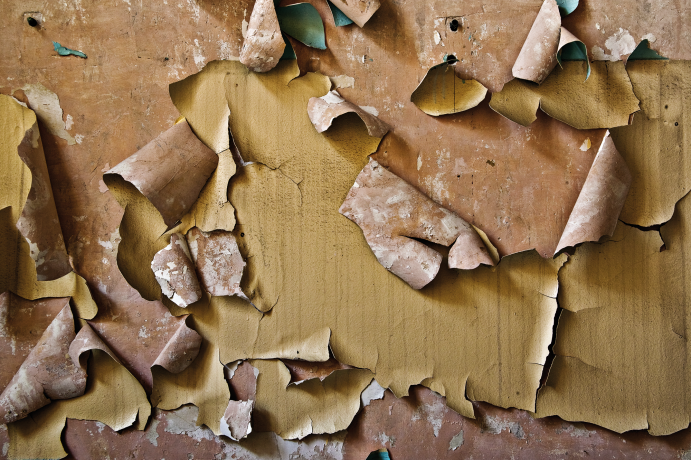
[48, 111]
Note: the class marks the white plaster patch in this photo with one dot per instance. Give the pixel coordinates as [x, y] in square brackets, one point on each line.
[199, 58]
[225, 51]
[245, 24]
[106, 244]
[370, 110]
[495, 425]
[433, 413]
[184, 421]
[650, 37]
[372, 392]
[342, 81]
[152, 433]
[619, 45]
[332, 97]
[456, 441]
[586, 145]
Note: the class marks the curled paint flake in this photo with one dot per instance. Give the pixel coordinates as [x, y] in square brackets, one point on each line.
[392, 212]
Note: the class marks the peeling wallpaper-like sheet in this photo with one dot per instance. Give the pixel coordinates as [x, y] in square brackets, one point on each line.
[605, 100]
[655, 146]
[113, 396]
[298, 180]
[621, 347]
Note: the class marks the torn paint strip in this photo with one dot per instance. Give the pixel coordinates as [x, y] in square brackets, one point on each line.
[39, 223]
[301, 371]
[442, 92]
[181, 350]
[547, 41]
[601, 200]
[358, 11]
[263, 46]
[605, 100]
[47, 374]
[315, 407]
[323, 110]
[169, 171]
[113, 397]
[391, 213]
[218, 260]
[175, 272]
[237, 420]
[572, 49]
[538, 55]
[46, 104]
[22, 323]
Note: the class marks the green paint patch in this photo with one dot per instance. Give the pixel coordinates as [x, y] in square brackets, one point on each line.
[340, 19]
[302, 22]
[574, 51]
[62, 51]
[567, 7]
[288, 52]
[381, 454]
[644, 53]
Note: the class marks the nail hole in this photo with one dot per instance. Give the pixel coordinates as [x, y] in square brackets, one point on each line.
[676, 123]
[666, 106]
[242, 235]
[298, 352]
[453, 25]
[166, 58]
[32, 22]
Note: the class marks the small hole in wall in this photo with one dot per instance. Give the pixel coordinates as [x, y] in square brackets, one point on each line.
[451, 59]
[298, 352]
[453, 25]
[666, 106]
[676, 123]
[242, 234]
[31, 21]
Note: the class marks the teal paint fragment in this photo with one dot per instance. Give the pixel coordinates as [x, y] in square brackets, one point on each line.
[644, 53]
[382, 454]
[62, 51]
[340, 19]
[302, 22]
[574, 51]
[567, 7]
[288, 52]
